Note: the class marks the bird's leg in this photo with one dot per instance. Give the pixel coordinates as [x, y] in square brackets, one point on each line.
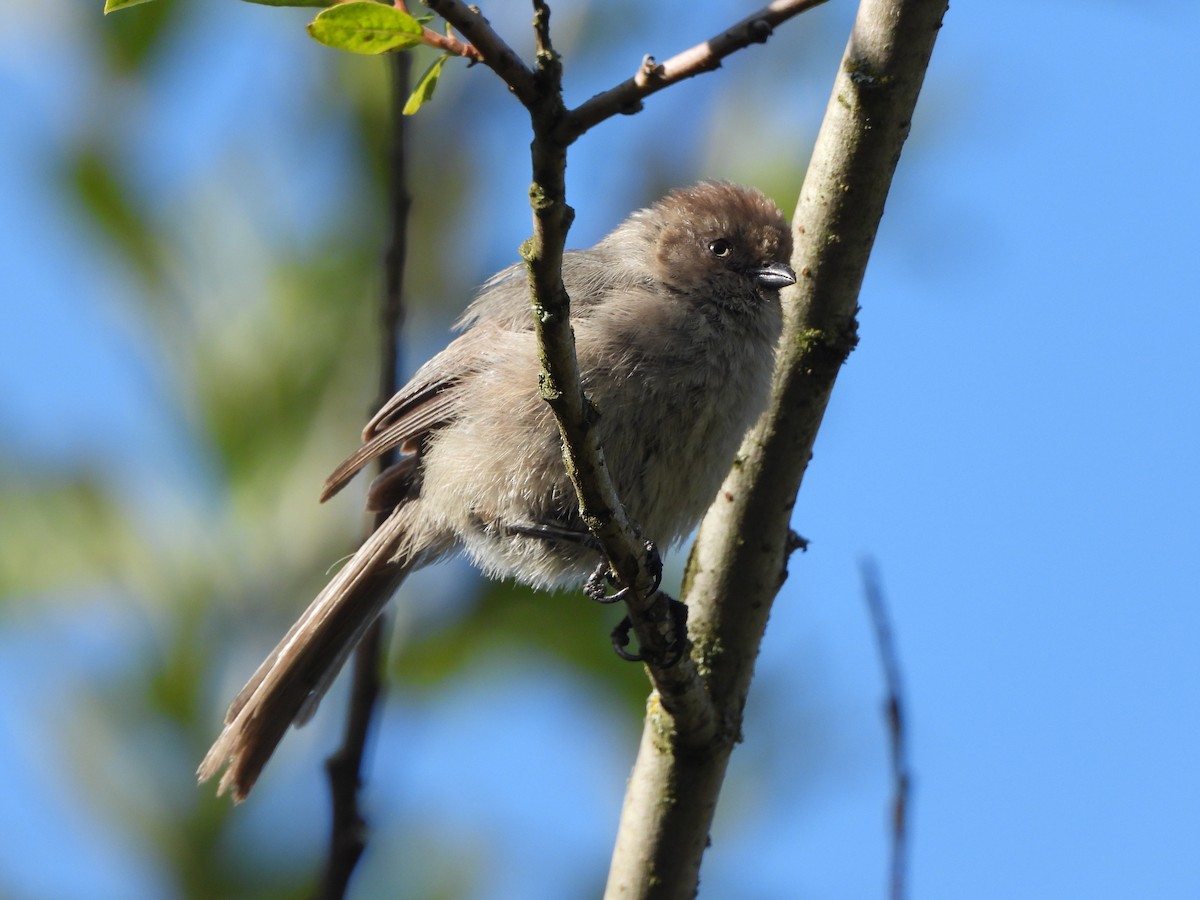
[597, 585]
[552, 531]
[596, 589]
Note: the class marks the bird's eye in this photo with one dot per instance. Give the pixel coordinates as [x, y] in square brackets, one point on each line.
[720, 248]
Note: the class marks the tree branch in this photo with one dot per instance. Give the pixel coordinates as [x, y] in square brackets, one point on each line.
[739, 560]
[652, 77]
[495, 53]
[446, 42]
[348, 832]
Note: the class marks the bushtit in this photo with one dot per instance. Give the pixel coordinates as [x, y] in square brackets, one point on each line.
[676, 316]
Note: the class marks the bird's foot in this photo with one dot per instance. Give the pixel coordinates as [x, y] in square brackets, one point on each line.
[598, 583]
[674, 651]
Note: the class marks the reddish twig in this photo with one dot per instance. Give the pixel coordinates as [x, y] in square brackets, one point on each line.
[494, 52]
[450, 44]
[446, 42]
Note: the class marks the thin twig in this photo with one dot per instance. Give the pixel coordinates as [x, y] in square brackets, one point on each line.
[894, 707]
[450, 44]
[627, 96]
[445, 42]
[348, 833]
[348, 828]
[495, 53]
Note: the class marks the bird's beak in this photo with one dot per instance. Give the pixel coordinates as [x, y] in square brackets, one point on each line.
[774, 275]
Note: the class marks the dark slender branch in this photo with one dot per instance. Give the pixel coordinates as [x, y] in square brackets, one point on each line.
[348, 834]
[651, 76]
[495, 53]
[348, 828]
[894, 707]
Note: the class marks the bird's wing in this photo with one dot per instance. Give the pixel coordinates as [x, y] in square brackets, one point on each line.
[423, 405]
[429, 400]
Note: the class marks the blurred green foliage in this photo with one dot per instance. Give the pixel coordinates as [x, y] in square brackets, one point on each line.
[263, 347]
[269, 398]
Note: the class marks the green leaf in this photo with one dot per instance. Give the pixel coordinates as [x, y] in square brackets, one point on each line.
[293, 2]
[426, 85]
[96, 184]
[114, 5]
[365, 27]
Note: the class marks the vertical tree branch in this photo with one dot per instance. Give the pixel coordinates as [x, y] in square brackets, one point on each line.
[348, 831]
[739, 560]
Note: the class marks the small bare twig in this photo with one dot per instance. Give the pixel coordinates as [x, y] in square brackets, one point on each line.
[652, 77]
[450, 44]
[598, 501]
[348, 828]
[627, 96]
[348, 834]
[540, 91]
[894, 707]
[447, 42]
[494, 51]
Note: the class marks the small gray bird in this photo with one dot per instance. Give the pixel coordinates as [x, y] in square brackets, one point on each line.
[676, 316]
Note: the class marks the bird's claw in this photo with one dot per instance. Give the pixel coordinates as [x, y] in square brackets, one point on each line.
[675, 651]
[596, 587]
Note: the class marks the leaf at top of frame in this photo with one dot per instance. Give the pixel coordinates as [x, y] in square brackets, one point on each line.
[114, 5]
[365, 27]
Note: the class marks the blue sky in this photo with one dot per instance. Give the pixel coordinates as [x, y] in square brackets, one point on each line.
[1014, 443]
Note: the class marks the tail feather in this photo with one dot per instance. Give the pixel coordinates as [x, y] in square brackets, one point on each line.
[289, 684]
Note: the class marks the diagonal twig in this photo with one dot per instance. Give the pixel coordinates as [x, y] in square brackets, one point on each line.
[652, 76]
[496, 54]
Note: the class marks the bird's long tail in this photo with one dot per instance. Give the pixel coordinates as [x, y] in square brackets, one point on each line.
[290, 682]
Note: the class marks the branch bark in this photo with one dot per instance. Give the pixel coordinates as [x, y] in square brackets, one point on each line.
[739, 560]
